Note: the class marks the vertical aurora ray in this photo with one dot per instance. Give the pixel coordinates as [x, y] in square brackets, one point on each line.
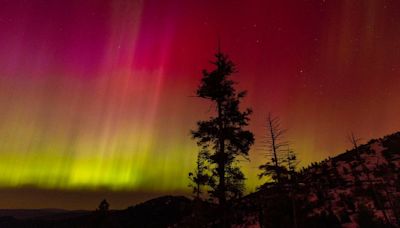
[97, 94]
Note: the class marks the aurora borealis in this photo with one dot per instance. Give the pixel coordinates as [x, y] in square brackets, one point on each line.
[99, 94]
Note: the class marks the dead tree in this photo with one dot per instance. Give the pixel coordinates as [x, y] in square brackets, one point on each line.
[276, 150]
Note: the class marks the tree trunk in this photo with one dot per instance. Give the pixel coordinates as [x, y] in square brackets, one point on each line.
[221, 166]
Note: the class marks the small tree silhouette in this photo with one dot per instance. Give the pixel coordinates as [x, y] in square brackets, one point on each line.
[103, 206]
[101, 215]
[292, 162]
[234, 182]
[199, 177]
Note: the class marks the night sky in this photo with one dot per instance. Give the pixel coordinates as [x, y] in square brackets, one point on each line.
[98, 95]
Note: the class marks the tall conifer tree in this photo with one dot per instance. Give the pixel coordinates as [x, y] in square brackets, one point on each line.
[223, 134]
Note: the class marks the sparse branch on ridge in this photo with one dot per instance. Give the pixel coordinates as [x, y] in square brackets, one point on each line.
[353, 140]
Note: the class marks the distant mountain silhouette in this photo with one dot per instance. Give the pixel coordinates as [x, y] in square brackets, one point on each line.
[359, 188]
[48, 213]
[160, 212]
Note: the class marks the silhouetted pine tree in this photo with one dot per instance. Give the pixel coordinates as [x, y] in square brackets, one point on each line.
[292, 163]
[223, 134]
[234, 182]
[102, 214]
[103, 206]
[200, 176]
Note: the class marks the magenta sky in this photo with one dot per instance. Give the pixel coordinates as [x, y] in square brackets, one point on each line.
[97, 94]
